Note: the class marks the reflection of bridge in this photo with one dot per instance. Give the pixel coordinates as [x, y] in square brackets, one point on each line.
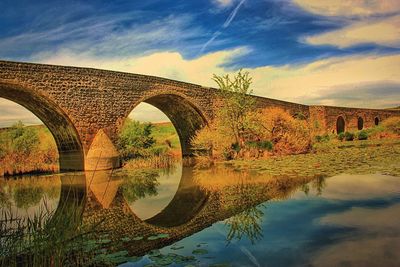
[84, 108]
[191, 210]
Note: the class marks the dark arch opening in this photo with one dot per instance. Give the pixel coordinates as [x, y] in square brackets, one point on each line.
[376, 121]
[68, 142]
[360, 123]
[185, 117]
[340, 125]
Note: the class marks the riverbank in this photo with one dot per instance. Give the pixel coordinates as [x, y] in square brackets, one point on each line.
[326, 160]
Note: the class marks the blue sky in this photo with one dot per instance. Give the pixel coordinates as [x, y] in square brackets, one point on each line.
[340, 52]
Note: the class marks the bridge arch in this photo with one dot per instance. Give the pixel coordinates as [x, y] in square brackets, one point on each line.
[360, 123]
[340, 125]
[186, 116]
[71, 156]
[376, 121]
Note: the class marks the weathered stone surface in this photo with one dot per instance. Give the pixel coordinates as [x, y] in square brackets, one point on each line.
[76, 103]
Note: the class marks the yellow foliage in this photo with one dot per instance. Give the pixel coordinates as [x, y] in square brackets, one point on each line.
[214, 139]
[289, 135]
[392, 125]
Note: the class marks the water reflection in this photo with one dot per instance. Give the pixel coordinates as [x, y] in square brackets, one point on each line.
[217, 215]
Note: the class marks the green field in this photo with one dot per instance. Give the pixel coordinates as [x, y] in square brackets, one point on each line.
[165, 131]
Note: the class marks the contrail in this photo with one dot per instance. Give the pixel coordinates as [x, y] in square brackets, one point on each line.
[225, 25]
[250, 256]
[233, 14]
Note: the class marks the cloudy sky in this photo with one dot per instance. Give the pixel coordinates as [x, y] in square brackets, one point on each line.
[342, 52]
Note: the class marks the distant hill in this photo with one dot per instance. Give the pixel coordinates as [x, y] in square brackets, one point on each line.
[398, 107]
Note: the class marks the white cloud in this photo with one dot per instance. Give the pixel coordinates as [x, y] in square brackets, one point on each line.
[369, 22]
[350, 8]
[384, 32]
[223, 3]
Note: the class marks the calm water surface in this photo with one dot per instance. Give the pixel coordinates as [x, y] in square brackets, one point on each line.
[223, 217]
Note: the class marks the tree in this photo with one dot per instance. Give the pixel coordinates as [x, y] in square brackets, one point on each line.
[134, 138]
[236, 104]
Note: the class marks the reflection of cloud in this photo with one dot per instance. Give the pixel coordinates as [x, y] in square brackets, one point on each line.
[355, 187]
[376, 242]
[149, 206]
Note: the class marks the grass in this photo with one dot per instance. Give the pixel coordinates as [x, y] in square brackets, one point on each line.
[329, 159]
[44, 159]
[165, 133]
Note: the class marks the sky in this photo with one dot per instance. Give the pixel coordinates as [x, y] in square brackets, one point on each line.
[342, 52]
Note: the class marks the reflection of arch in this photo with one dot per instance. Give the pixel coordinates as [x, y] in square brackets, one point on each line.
[67, 140]
[186, 117]
[68, 215]
[376, 121]
[187, 202]
[360, 123]
[189, 199]
[340, 125]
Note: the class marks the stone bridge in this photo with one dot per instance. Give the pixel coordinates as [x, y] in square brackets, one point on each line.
[84, 108]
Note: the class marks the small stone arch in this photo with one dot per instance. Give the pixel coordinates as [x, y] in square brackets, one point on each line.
[360, 123]
[376, 121]
[70, 150]
[340, 125]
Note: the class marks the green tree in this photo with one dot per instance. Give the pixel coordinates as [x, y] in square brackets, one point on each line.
[134, 138]
[237, 104]
[19, 139]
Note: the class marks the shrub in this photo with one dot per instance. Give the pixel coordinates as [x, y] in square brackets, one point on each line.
[262, 145]
[348, 136]
[362, 135]
[287, 134]
[134, 138]
[392, 125]
[322, 138]
[340, 136]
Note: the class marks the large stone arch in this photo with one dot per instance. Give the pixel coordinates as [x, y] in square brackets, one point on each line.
[184, 113]
[71, 155]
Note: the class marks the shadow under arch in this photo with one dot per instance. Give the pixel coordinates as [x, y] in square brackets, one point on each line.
[360, 123]
[71, 155]
[340, 125]
[186, 117]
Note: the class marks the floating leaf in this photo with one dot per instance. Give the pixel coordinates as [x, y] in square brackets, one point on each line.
[199, 251]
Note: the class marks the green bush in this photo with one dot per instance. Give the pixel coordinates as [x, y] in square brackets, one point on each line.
[362, 135]
[134, 139]
[322, 138]
[348, 136]
[263, 145]
[340, 136]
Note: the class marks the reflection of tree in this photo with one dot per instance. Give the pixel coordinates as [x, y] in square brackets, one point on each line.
[245, 224]
[242, 199]
[27, 196]
[319, 184]
[4, 198]
[140, 185]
